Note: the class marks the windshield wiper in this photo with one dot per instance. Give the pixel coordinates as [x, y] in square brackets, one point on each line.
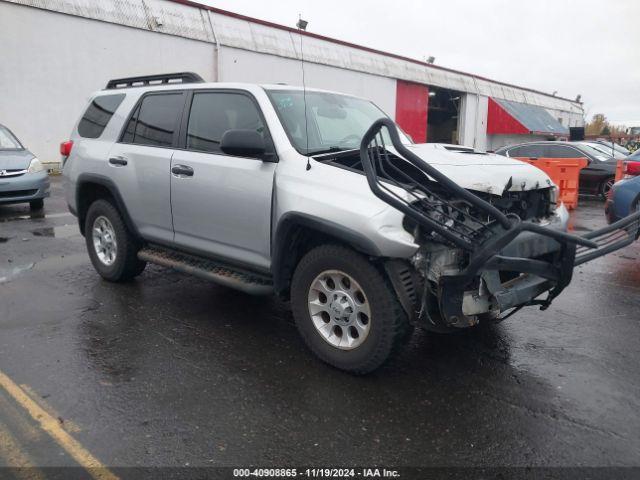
[322, 151]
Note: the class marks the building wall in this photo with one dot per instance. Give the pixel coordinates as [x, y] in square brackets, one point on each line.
[62, 51]
[52, 62]
[472, 123]
[237, 65]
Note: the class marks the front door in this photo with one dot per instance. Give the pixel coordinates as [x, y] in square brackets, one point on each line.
[221, 204]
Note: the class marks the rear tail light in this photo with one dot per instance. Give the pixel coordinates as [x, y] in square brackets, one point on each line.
[631, 169]
[65, 148]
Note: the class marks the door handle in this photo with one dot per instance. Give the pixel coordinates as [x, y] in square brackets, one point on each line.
[120, 161]
[182, 170]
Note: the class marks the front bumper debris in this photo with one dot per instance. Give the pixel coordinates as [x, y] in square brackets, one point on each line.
[514, 261]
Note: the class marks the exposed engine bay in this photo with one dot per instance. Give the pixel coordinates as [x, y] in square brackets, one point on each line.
[439, 257]
[491, 237]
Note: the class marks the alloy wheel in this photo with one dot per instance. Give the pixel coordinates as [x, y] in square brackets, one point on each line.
[104, 240]
[339, 309]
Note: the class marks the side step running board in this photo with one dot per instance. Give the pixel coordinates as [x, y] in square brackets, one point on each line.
[208, 270]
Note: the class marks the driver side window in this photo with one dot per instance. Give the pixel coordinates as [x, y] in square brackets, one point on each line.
[213, 113]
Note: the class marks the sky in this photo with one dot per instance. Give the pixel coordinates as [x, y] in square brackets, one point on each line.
[585, 47]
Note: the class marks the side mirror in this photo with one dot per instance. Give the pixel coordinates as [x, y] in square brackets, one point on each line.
[243, 143]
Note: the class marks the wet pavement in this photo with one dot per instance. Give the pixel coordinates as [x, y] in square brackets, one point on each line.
[170, 370]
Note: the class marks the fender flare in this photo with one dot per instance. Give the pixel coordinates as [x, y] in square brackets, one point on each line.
[107, 183]
[289, 222]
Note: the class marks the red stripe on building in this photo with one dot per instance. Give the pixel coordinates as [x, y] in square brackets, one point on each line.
[412, 102]
[500, 122]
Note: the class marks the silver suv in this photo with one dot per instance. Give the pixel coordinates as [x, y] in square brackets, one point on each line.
[318, 197]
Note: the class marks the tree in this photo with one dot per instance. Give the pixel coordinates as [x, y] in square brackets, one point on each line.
[595, 126]
[599, 125]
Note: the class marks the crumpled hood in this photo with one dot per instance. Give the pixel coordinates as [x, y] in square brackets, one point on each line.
[15, 159]
[488, 173]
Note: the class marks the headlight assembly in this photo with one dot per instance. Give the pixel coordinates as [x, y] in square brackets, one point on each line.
[35, 166]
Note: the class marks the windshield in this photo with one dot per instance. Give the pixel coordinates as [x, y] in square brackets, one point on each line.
[608, 151]
[594, 152]
[335, 122]
[8, 141]
[619, 148]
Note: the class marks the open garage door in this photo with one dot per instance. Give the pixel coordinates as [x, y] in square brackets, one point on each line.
[444, 115]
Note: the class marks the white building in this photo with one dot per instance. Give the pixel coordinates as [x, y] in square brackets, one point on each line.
[56, 52]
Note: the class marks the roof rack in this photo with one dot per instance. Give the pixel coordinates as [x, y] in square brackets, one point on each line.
[151, 80]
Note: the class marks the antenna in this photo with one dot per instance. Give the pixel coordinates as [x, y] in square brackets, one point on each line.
[302, 26]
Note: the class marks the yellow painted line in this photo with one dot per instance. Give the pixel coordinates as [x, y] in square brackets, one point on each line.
[69, 425]
[18, 462]
[21, 425]
[52, 426]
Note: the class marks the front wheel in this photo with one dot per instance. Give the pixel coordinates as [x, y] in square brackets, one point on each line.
[112, 248]
[345, 310]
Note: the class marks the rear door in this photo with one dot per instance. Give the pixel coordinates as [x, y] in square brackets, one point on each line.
[221, 204]
[140, 162]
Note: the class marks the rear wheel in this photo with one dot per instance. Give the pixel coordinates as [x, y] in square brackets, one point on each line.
[345, 309]
[112, 248]
[36, 204]
[605, 187]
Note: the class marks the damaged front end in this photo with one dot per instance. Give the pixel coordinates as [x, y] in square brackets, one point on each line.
[481, 255]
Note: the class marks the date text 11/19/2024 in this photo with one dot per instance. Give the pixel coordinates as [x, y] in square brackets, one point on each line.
[316, 472]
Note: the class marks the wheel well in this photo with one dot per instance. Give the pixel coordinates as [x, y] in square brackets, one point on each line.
[294, 239]
[89, 192]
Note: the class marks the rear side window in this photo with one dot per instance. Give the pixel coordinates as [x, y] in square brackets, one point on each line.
[560, 151]
[155, 120]
[533, 151]
[98, 114]
[212, 114]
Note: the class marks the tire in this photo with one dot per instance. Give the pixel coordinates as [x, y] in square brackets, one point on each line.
[124, 264]
[605, 186]
[36, 204]
[381, 333]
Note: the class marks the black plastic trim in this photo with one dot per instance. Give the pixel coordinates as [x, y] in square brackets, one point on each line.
[106, 182]
[292, 220]
[159, 79]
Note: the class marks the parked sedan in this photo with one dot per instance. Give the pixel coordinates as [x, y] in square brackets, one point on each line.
[623, 199]
[614, 146]
[635, 156]
[596, 178]
[23, 179]
[608, 151]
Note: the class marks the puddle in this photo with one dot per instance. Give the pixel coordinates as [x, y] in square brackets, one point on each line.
[48, 264]
[7, 274]
[35, 216]
[64, 231]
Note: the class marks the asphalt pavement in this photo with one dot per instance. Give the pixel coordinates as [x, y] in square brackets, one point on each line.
[172, 371]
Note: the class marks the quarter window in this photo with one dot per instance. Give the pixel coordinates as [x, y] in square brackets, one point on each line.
[213, 113]
[98, 114]
[154, 120]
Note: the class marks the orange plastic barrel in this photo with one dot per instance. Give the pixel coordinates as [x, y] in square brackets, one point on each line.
[565, 173]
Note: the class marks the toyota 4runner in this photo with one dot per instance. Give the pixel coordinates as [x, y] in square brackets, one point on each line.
[317, 197]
